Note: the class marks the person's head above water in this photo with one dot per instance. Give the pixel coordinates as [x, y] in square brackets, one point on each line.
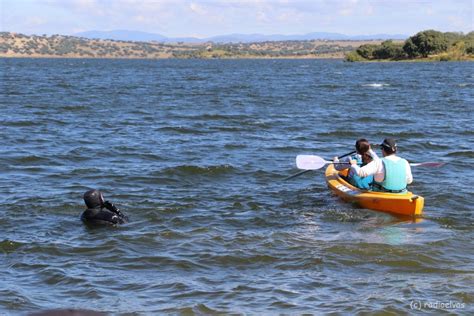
[389, 146]
[100, 211]
[94, 198]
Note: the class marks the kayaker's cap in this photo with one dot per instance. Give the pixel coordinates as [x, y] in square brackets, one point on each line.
[389, 143]
[93, 198]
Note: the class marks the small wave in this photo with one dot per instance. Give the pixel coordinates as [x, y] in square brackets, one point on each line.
[31, 159]
[57, 277]
[234, 260]
[304, 263]
[31, 169]
[199, 309]
[182, 130]
[283, 305]
[172, 234]
[144, 261]
[374, 118]
[285, 149]
[466, 132]
[464, 154]
[73, 108]
[7, 246]
[347, 216]
[339, 133]
[431, 145]
[376, 85]
[234, 146]
[194, 78]
[329, 86]
[258, 123]
[13, 300]
[19, 123]
[405, 135]
[228, 129]
[219, 117]
[366, 119]
[447, 222]
[197, 170]
[151, 157]
[64, 85]
[91, 171]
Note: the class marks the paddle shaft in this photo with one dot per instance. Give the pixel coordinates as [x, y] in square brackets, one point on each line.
[296, 174]
[348, 154]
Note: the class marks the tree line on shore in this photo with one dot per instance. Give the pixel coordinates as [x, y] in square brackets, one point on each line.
[445, 46]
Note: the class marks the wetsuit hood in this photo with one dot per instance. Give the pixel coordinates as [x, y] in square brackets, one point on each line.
[93, 198]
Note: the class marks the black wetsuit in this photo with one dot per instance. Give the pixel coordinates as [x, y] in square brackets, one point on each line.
[103, 216]
[100, 211]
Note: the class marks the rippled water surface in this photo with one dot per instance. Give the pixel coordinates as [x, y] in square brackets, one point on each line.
[195, 153]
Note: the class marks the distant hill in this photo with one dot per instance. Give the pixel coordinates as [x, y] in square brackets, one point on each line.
[126, 35]
[123, 35]
[255, 38]
[20, 45]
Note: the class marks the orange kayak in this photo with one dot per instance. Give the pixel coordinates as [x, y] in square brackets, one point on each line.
[402, 204]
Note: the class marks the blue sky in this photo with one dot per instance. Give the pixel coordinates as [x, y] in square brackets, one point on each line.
[204, 18]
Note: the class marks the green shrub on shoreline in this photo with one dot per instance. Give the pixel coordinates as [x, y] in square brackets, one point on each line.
[427, 45]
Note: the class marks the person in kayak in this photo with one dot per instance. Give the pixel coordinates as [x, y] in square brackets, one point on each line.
[100, 211]
[391, 173]
[364, 155]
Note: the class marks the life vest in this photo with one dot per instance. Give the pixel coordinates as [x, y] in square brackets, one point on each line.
[359, 182]
[395, 176]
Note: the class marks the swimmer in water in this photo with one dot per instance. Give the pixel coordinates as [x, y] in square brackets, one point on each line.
[100, 211]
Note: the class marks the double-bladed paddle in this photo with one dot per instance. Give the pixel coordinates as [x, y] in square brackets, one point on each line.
[312, 162]
[307, 170]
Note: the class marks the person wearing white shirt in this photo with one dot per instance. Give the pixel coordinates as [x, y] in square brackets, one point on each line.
[391, 173]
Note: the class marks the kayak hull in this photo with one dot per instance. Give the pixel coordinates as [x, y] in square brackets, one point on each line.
[401, 204]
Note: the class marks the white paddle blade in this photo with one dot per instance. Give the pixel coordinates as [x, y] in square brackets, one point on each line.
[310, 162]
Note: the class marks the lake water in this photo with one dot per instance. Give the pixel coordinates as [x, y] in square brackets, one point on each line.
[195, 153]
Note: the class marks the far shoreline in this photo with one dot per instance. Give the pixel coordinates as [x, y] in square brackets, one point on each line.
[338, 58]
[175, 58]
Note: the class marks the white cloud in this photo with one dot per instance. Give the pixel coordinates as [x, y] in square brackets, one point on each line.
[214, 17]
[429, 11]
[78, 30]
[458, 23]
[369, 10]
[35, 21]
[346, 11]
[198, 9]
[290, 16]
[356, 7]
